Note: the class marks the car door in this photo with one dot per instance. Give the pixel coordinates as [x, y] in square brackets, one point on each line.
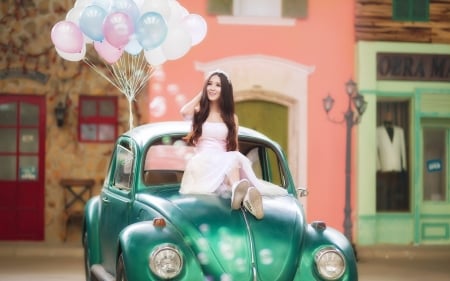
[116, 198]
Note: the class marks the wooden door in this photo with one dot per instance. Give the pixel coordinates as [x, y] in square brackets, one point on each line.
[22, 160]
[266, 117]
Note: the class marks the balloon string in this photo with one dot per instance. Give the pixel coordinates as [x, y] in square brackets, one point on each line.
[130, 109]
[129, 75]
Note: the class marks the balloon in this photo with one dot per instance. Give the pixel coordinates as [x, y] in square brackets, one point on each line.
[104, 4]
[158, 106]
[157, 6]
[67, 37]
[177, 12]
[91, 21]
[127, 7]
[117, 29]
[155, 57]
[196, 26]
[108, 52]
[74, 14]
[177, 43]
[82, 3]
[151, 30]
[133, 47]
[139, 3]
[72, 56]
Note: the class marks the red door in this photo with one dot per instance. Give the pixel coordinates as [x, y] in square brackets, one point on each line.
[22, 160]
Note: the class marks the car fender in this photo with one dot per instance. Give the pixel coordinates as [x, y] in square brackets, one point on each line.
[91, 227]
[318, 238]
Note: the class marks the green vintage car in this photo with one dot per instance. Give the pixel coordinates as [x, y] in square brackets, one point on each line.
[141, 228]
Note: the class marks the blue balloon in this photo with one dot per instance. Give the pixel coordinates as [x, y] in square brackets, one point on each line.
[128, 7]
[91, 22]
[151, 30]
[133, 47]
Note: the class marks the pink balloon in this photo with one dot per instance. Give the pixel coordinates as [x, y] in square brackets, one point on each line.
[108, 52]
[67, 37]
[117, 28]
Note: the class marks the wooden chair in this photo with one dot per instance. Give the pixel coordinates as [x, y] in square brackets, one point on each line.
[76, 193]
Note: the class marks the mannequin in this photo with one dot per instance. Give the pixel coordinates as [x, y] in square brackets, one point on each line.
[391, 154]
[391, 164]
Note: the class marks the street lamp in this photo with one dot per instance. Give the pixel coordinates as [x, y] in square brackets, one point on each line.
[351, 118]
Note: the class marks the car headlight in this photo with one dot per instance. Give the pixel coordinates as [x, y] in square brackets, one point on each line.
[330, 263]
[166, 261]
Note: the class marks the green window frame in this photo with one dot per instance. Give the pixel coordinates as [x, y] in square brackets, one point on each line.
[411, 10]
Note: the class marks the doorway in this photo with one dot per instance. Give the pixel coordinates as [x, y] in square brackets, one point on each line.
[254, 114]
[393, 169]
[22, 154]
[434, 190]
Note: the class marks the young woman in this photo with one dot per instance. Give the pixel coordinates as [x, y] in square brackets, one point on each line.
[218, 166]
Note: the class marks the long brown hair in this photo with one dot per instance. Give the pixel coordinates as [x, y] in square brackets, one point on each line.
[226, 106]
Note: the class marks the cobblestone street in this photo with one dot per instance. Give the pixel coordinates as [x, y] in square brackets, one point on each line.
[41, 262]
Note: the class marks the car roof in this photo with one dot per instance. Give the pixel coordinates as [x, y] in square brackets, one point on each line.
[141, 134]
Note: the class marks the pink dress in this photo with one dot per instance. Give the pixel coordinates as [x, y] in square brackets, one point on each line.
[206, 171]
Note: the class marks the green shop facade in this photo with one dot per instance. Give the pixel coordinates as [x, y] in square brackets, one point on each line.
[403, 144]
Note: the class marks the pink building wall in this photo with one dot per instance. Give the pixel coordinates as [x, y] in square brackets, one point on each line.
[325, 40]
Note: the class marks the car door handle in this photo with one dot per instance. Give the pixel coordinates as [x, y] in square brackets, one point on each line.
[105, 199]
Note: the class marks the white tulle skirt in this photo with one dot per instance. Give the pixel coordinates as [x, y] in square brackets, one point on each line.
[206, 173]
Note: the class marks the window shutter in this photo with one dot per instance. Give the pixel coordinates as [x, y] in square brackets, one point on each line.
[295, 8]
[410, 10]
[420, 10]
[220, 7]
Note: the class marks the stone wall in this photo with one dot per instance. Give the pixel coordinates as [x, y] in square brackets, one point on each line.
[30, 65]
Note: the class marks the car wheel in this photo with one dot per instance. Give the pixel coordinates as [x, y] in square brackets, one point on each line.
[120, 269]
[87, 263]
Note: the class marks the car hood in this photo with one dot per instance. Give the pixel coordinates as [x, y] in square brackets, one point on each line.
[233, 242]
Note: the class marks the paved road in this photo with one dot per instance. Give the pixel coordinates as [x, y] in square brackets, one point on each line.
[70, 268]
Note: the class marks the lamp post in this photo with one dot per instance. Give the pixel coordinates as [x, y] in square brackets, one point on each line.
[351, 118]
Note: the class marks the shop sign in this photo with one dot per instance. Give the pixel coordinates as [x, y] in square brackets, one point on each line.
[417, 67]
[434, 165]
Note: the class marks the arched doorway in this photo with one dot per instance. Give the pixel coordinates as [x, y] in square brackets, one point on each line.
[276, 81]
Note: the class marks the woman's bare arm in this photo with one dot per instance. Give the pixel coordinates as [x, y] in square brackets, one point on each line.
[188, 110]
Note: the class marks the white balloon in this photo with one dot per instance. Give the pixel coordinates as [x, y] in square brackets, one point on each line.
[74, 14]
[72, 56]
[196, 26]
[159, 6]
[155, 56]
[82, 3]
[178, 42]
[139, 3]
[158, 106]
[177, 12]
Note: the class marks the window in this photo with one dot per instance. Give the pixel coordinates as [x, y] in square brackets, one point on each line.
[97, 119]
[410, 10]
[393, 170]
[258, 11]
[124, 168]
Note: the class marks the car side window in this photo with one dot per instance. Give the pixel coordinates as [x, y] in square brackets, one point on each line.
[124, 167]
[265, 162]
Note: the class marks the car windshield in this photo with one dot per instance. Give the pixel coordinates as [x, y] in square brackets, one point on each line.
[166, 159]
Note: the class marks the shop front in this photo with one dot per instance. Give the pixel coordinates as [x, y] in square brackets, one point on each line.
[403, 152]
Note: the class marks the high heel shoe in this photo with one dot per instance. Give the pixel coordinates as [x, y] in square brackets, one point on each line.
[238, 192]
[253, 203]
